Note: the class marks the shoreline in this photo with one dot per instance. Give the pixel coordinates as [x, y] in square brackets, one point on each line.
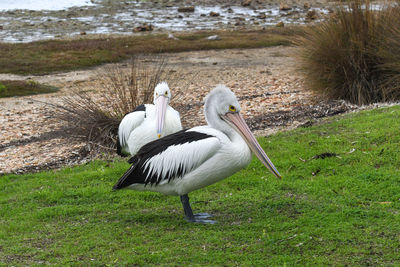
[112, 17]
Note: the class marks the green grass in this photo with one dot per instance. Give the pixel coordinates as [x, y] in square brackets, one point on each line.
[63, 55]
[9, 88]
[347, 213]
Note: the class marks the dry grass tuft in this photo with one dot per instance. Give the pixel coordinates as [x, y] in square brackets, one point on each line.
[389, 52]
[351, 56]
[124, 88]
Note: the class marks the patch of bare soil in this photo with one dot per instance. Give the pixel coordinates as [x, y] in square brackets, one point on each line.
[269, 88]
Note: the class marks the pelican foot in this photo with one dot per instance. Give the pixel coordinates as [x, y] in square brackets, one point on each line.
[200, 220]
[203, 215]
[195, 218]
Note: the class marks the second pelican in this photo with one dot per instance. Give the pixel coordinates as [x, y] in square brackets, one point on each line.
[148, 122]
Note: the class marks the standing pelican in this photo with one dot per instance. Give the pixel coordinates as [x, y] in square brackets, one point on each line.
[148, 122]
[194, 158]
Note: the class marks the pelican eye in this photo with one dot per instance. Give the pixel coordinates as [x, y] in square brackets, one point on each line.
[232, 108]
[166, 93]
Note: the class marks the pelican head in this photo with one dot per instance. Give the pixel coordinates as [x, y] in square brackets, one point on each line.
[162, 96]
[222, 111]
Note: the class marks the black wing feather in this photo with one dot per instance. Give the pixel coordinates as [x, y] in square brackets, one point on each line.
[141, 107]
[137, 174]
[119, 149]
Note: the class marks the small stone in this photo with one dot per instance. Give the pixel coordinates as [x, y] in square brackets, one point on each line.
[245, 2]
[171, 36]
[284, 7]
[186, 9]
[143, 28]
[214, 37]
[229, 10]
[262, 16]
[1, 27]
[82, 33]
[280, 24]
[306, 5]
[214, 14]
[312, 15]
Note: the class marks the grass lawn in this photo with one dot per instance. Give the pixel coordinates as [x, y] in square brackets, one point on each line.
[340, 210]
[63, 55]
[10, 88]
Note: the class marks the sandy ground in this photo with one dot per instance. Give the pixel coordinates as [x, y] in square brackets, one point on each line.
[269, 88]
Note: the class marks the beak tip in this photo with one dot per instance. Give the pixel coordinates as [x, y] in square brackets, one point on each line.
[277, 175]
[158, 135]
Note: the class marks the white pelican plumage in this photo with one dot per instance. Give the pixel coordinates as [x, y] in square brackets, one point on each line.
[148, 122]
[190, 159]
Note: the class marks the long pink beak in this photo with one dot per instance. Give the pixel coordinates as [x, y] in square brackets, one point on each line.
[236, 120]
[161, 108]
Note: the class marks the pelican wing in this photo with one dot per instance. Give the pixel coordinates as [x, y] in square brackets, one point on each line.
[130, 121]
[169, 158]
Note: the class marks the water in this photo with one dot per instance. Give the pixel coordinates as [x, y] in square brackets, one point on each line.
[6, 5]
[48, 19]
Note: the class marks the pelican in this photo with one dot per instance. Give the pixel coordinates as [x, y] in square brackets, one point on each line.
[191, 159]
[148, 122]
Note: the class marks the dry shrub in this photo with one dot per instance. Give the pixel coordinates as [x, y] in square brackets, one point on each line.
[349, 56]
[389, 52]
[95, 114]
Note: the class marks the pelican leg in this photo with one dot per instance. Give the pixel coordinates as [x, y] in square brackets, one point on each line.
[190, 217]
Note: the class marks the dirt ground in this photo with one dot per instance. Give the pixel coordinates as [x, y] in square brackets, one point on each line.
[266, 81]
